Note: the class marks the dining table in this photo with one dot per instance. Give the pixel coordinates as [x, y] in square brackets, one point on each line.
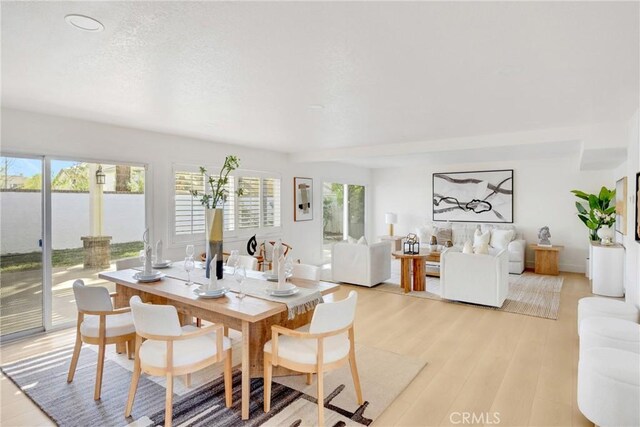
[252, 315]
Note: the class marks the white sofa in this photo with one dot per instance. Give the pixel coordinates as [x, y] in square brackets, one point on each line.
[461, 232]
[358, 264]
[478, 279]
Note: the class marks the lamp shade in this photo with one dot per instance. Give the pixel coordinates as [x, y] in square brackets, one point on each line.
[390, 218]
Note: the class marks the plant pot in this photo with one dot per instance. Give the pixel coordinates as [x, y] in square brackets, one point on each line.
[606, 235]
[214, 223]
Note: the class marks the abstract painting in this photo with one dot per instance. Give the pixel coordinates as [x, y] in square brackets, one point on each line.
[478, 196]
[621, 205]
[303, 199]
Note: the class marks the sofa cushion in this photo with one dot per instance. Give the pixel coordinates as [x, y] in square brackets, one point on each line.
[501, 238]
[362, 241]
[481, 238]
[424, 234]
[467, 248]
[443, 234]
[481, 249]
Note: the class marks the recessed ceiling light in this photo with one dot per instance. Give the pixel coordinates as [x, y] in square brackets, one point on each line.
[84, 23]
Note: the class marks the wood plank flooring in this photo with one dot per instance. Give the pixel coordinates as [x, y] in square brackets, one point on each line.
[517, 368]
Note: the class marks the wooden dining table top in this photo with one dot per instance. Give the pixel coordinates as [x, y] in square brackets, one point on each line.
[251, 309]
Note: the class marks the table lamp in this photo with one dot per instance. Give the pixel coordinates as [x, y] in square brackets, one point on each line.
[390, 218]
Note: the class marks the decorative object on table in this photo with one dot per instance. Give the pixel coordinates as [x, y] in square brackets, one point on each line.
[240, 274]
[189, 266]
[433, 242]
[148, 268]
[275, 255]
[543, 236]
[281, 269]
[411, 244]
[621, 205]
[252, 245]
[637, 229]
[160, 262]
[390, 219]
[448, 244]
[478, 196]
[214, 205]
[598, 211]
[303, 199]
[213, 279]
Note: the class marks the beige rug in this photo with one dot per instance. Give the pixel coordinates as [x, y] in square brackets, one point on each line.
[530, 294]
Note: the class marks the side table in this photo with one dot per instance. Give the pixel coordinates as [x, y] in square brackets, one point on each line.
[546, 259]
[395, 241]
[412, 263]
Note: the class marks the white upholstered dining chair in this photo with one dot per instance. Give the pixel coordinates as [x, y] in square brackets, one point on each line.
[326, 345]
[170, 349]
[99, 324]
[248, 262]
[306, 271]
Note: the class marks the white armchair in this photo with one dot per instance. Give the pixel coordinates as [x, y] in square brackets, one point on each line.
[478, 279]
[365, 265]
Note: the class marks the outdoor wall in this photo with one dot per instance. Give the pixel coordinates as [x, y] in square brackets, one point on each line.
[541, 197]
[39, 134]
[21, 219]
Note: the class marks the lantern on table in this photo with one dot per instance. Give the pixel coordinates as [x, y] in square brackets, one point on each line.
[411, 244]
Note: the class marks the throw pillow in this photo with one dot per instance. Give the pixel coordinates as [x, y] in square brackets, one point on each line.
[500, 238]
[480, 238]
[362, 241]
[482, 249]
[442, 235]
[467, 248]
[424, 233]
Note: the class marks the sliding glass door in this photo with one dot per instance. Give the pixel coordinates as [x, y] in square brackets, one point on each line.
[342, 217]
[21, 230]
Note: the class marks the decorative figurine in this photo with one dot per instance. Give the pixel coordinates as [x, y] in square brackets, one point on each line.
[449, 244]
[543, 237]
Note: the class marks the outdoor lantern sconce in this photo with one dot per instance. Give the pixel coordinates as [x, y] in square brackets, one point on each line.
[100, 176]
[411, 245]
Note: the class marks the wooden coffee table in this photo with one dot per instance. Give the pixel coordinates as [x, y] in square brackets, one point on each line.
[415, 263]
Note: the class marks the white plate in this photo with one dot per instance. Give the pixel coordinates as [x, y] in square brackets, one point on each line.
[203, 294]
[163, 264]
[271, 292]
[213, 291]
[147, 279]
[271, 277]
[285, 289]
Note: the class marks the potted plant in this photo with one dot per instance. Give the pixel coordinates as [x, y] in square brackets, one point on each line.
[213, 201]
[597, 213]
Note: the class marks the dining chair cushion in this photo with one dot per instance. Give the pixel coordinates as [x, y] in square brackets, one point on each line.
[116, 325]
[305, 351]
[185, 352]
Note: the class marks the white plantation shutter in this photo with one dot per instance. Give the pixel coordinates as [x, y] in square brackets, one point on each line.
[229, 206]
[248, 206]
[270, 202]
[189, 213]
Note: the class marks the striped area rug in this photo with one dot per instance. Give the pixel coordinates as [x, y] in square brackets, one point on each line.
[43, 379]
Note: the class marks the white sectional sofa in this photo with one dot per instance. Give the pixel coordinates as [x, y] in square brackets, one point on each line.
[361, 264]
[461, 232]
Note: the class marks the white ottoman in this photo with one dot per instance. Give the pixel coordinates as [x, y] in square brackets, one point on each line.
[604, 307]
[609, 387]
[609, 332]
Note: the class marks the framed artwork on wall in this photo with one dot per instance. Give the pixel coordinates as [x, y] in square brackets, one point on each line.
[302, 199]
[477, 196]
[621, 206]
[637, 230]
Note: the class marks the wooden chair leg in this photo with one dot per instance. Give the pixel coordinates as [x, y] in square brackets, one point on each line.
[74, 359]
[356, 377]
[130, 348]
[228, 383]
[226, 331]
[101, 349]
[133, 387]
[187, 380]
[309, 378]
[320, 397]
[268, 370]
[198, 322]
[168, 406]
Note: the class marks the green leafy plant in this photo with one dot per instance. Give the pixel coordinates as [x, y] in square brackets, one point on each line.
[597, 211]
[219, 192]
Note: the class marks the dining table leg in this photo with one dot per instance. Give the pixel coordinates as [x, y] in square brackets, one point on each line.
[246, 378]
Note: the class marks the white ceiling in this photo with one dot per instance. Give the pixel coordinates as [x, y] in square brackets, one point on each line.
[254, 73]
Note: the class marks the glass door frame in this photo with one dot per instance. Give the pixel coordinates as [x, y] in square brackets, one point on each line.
[47, 249]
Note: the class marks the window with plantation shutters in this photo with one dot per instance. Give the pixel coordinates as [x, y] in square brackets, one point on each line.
[189, 213]
[271, 202]
[248, 206]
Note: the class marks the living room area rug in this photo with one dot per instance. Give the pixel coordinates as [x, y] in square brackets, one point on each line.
[43, 378]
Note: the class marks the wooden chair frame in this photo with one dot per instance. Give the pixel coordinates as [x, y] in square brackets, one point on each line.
[101, 341]
[262, 259]
[170, 371]
[272, 359]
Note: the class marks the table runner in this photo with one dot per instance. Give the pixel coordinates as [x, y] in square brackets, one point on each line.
[255, 285]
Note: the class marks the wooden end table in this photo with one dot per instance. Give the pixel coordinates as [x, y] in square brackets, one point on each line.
[546, 259]
[395, 241]
[415, 263]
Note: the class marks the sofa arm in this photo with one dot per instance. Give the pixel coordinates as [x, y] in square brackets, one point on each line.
[517, 246]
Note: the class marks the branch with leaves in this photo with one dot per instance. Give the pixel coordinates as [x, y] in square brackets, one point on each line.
[219, 192]
[597, 212]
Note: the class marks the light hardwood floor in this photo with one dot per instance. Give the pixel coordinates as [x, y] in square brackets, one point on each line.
[517, 368]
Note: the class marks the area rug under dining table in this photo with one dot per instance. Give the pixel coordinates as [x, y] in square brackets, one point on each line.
[42, 378]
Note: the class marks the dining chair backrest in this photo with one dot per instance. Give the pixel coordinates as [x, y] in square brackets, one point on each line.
[126, 263]
[306, 271]
[248, 262]
[91, 298]
[266, 249]
[333, 316]
[151, 319]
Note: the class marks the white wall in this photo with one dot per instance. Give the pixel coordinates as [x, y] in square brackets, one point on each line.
[64, 138]
[541, 197]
